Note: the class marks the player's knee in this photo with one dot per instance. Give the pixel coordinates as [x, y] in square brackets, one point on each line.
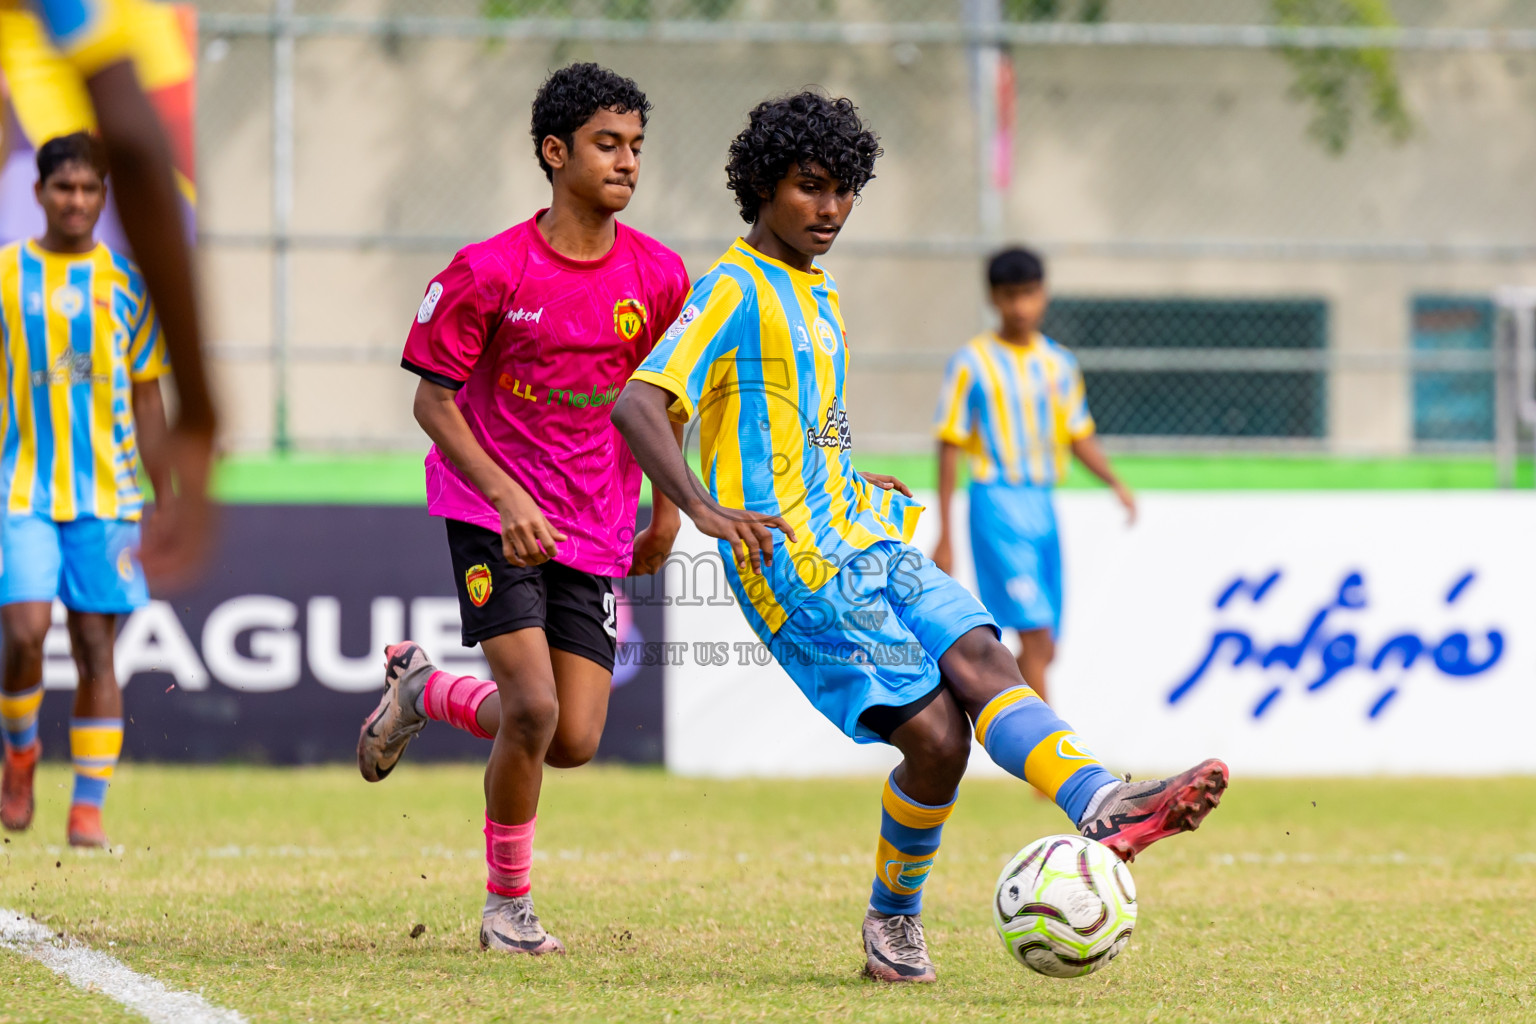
[977, 663]
[24, 644]
[93, 659]
[532, 717]
[939, 751]
[566, 751]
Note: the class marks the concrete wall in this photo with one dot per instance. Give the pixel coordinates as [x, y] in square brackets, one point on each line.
[1136, 169]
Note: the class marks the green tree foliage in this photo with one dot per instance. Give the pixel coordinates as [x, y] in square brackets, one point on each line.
[616, 10]
[1050, 10]
[1339, 82]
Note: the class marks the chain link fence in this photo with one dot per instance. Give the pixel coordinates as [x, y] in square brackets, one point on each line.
[1229, 278]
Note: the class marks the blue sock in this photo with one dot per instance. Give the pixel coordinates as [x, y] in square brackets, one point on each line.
[1026, 739]
[18, 716]
[909, 838]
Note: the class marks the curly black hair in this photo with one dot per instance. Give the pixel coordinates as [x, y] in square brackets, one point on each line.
[570, 96]
[806, 128]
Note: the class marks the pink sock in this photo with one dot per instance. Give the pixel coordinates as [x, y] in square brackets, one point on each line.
[456, 700]
[508, 857]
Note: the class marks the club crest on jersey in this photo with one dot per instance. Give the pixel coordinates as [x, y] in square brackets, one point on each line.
[67, 301]
[429, 303]
[477, 580]
[826, 338]
[834, 433]
[629, 318]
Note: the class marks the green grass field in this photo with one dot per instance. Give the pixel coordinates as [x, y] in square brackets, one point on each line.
[290, 895]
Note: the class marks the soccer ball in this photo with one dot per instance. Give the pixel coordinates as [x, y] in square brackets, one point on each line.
[1065, 906]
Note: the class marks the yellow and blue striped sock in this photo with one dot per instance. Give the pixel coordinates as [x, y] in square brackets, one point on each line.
[1026, 739]
[909, 839]
[94, 744]
[18, 716]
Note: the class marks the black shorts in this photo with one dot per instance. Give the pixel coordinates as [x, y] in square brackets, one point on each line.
[576, 610]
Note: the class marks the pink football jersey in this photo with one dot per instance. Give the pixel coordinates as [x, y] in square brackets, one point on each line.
[537, 347]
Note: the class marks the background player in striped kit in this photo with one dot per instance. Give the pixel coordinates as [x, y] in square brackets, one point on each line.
[884, 644]
[83, 361]
[1013, 401]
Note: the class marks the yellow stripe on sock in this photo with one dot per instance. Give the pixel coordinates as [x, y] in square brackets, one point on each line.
[95, 742]
[20, 705]
[913, 815]
[902, 873]
[997, 705]
[95, 771]
[1054, 760]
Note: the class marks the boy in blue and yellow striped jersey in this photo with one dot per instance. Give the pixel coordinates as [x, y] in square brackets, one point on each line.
[1013, 401]
[881, 641]
[83, 359]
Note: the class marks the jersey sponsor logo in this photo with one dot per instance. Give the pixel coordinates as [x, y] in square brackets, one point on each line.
[584, 399]
[826, 338]
[71, 368]
[686, 317]
[67, 301]
[629, 318]
[429, 303]
[834, 433]
[517, 316]
[477, 580]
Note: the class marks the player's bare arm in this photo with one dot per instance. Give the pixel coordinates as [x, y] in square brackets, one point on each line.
[949, 459]
[527, 538]
[153, 432]
[654, 543]
[176, 541]
[641, 416]
[1091, 454]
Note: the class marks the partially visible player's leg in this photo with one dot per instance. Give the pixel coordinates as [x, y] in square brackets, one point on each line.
[101, 581]
[24, 625]
[1029, 740]
[530, 708]
[32, 556]
[935, 744]
[1037, 649]
[861, 667]
[582, 627]
[1026, 738]
[583, 686]
[96, 728]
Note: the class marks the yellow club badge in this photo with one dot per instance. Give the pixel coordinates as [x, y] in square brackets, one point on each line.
[629, 318]
[477, 580]
[125, 565]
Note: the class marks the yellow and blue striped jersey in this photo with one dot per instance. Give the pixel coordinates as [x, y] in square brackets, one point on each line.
[78, 331]
[1015, 409]
[759, 354]
[90, 34]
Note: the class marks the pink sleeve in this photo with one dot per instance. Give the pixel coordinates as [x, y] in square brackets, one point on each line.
[450, 329]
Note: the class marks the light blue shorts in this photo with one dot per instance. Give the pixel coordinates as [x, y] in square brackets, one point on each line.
[873, 635]
[88, 563]
[1017, 554]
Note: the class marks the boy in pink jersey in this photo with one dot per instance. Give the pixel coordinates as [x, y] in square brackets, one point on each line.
[522, 344]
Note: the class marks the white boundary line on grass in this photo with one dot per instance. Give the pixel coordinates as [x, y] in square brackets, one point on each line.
[95, 971]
